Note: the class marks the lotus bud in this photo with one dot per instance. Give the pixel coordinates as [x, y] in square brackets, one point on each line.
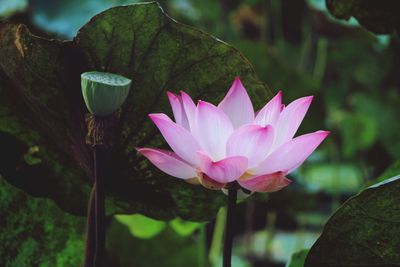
[104, 92]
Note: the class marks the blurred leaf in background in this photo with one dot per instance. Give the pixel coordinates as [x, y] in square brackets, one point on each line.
[144, 227]
[184, 228]
[11, 7]
[167, 249]
[321, 5]
[333, 179]
[141, 226]
[297, 259]
[377, 16]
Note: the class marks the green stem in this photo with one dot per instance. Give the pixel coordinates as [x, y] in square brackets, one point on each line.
[229, 227]
[215, 248]
[202, 246]
[320, 60]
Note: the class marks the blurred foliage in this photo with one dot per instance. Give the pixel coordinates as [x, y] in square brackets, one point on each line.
[298, 258]
[377, 16]
[35, 232]
[363, 231]
[333, 179]
[280, 245]
[168, 249]
[184, 228]
[65, 18]
[321, 6]
[144, 227]
[11, 7]
[141, 226]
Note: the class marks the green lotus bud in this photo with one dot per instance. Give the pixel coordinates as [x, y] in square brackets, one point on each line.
[104, 92]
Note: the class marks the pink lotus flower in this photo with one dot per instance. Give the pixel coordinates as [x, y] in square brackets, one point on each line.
[216, 145]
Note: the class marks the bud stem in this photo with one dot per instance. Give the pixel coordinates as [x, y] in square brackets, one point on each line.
[99, 212]
[99, 137]
[90, 232]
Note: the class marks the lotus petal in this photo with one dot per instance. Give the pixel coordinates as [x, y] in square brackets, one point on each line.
[237, 104]
[290, 155]
[179, 139]
[265, 183]
[224, 171]
[169, 162]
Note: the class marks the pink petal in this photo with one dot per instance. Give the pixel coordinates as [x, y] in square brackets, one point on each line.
[212, 129]
[290, 155]
[290, 120]
[224, 171]
[265, 183]
[169, 162]
[178, 138]
[178, 110]
[189, 108]
[252, 141]
[237, 105]
[269, 114]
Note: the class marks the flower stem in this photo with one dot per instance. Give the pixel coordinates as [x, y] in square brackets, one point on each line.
[229, 226]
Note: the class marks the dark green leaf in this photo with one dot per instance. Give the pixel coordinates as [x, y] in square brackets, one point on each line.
[377, 16]
[391, 172]
[158, 54]
[364, 231]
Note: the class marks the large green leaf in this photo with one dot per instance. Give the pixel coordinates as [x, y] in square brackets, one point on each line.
[364, 231]
[35, 232]
[377, 16]
[29, 160]
[138, 41]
